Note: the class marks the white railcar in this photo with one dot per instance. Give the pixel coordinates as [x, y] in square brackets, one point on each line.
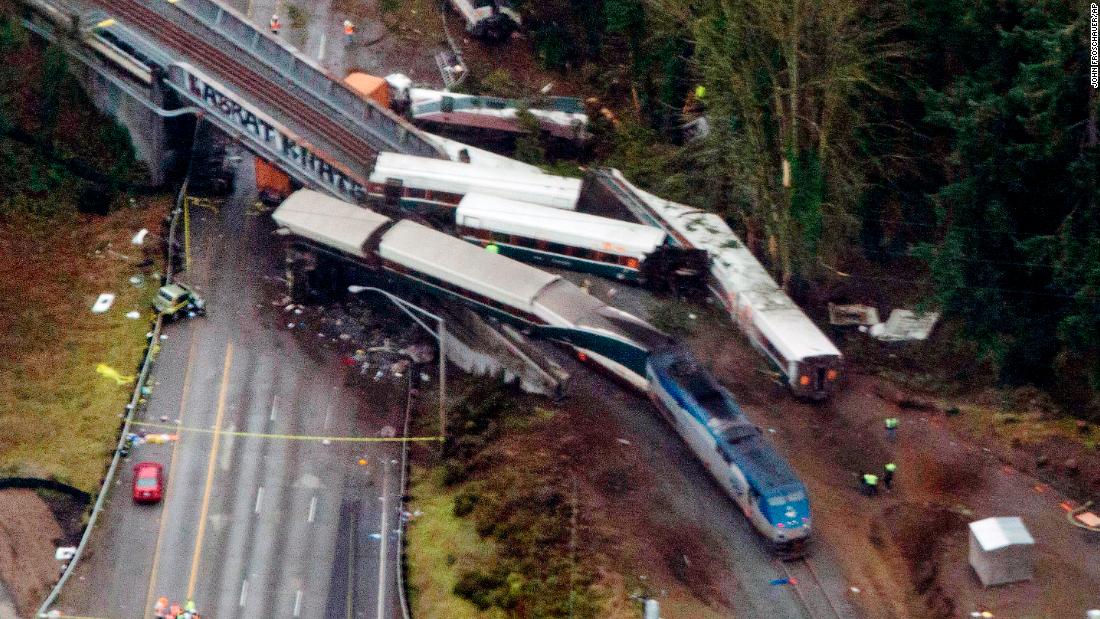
[808, 360]
[421, 182]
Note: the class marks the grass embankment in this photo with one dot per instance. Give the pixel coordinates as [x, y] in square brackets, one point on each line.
[59, 417]
[517, 544]
[441, 544]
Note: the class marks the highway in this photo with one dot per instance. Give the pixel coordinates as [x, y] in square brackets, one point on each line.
[262, 515]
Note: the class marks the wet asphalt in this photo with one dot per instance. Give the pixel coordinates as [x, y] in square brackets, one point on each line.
[258, 518]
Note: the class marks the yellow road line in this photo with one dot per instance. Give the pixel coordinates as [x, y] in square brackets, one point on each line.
[171, 469]
[210, 472]
[186, 236]
[291, 437]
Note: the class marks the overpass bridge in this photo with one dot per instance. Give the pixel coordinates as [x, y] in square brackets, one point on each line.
[175, 57]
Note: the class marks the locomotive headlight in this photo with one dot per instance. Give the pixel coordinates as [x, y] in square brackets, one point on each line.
[831, 374]
[804, 380]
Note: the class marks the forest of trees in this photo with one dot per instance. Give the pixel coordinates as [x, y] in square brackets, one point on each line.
[946, 148]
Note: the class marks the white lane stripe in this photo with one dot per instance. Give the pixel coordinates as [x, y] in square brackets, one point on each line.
[244, 593]
[274, 407]
[385, 536]
[324, 39]
[312, 508]
[297, 602]
[227, 447]
[259, 500]
[328, 412]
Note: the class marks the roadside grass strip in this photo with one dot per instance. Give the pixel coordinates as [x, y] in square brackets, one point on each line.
[439, 546]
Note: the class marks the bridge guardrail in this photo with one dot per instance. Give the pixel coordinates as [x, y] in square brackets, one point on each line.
[388, 131]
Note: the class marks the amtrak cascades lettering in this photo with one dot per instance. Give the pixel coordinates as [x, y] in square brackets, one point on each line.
[275, 139]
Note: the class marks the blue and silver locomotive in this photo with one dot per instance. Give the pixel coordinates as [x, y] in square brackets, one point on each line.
[732, 448]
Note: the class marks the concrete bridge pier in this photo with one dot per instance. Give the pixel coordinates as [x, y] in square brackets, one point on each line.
[159, 142]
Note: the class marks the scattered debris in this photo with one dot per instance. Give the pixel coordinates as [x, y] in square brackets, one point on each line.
[852, 315]
[103, 303]
[623, 441]
[139, 238]
[904, 325]
[64, 553]
[109, 372]
[134, 315]
[138, 281]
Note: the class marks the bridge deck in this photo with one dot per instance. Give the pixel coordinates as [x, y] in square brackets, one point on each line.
[318, 123]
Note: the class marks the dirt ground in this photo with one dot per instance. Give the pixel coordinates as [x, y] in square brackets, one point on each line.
[28, 534]
[906, 550]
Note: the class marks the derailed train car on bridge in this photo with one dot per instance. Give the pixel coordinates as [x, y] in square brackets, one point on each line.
[741, 460]
[417, 257]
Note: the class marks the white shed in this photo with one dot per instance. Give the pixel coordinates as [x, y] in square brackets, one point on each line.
[1001, 550]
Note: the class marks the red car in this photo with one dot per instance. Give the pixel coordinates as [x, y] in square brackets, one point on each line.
[148, 482]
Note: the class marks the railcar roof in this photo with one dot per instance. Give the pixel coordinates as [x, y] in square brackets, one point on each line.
[488, 177]
[328, 221]
[457, 262]
[785, 324]
[559, 226]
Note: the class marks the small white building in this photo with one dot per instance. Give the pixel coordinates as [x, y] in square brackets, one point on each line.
[1001, 550]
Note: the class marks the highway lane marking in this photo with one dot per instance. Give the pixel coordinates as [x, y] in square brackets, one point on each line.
[328, 413]
[291, 437]
[298, 603]
[259, 499]
[210, 472]
[244, 593]
[227, 453]
[171, 470]
[274, 407]
[351, 562]
[312, 508]
[385, 538]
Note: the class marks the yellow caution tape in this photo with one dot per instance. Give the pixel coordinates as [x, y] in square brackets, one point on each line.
[293, 437]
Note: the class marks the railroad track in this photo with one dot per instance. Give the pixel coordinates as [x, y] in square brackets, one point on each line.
[810, 591]
[260, 89]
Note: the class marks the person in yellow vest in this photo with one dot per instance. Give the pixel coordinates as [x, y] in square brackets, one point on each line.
[888, 475]
[275, 25]
[891, 429]
[870, 484]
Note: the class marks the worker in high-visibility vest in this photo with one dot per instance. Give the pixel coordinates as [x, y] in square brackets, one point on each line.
[160, 608]
[275, 24]
[888, 475]
[870, 484]
[349, 29]
[891, 428]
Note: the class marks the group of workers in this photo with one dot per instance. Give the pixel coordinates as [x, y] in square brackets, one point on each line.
[869, 482]
[275, 25]
[165, 610]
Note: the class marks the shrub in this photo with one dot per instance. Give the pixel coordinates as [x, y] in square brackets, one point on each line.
[465, 503]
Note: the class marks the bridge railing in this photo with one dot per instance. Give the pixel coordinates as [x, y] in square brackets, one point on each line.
[282, 64]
